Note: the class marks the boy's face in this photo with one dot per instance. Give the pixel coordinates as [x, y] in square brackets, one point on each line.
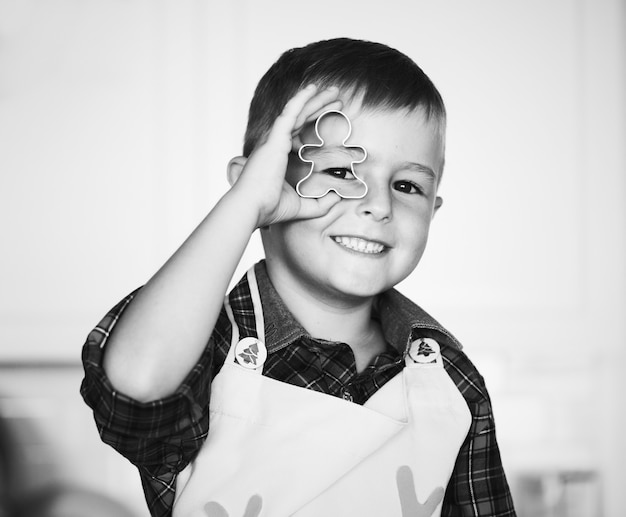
[362, 247]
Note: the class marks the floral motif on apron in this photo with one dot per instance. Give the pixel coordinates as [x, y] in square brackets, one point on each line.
[276, 450]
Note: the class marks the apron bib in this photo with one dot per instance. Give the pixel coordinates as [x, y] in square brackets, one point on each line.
[276, 450]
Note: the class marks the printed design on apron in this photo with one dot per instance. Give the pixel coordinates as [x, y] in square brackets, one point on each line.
[279, 450]
[411, 507]
[253, 508]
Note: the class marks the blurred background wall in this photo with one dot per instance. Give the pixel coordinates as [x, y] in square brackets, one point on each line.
[117, 120]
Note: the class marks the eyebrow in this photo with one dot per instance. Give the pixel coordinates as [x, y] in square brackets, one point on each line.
[418, 167]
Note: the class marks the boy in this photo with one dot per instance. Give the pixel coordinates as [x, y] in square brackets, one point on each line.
[205, 394]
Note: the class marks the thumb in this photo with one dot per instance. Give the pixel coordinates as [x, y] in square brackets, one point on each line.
[311, 208]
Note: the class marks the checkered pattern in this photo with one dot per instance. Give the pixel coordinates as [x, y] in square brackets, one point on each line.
[478, 485]
[162, 437]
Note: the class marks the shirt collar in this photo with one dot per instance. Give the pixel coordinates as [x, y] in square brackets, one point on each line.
[402, 320]
[281, 328]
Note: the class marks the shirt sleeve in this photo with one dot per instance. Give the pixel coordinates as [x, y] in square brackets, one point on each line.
[159, 437]
[478, 486]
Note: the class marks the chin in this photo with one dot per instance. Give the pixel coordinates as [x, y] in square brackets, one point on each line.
[360, 288]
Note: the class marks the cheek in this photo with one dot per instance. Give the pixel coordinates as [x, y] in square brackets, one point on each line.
[298, 235]
[415, 228]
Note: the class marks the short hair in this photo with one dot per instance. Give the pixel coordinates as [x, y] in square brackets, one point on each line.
[383, 76]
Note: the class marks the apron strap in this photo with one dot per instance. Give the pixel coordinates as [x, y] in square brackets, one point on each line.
[247, 345]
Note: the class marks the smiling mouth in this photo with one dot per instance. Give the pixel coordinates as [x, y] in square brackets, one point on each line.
[360, 245]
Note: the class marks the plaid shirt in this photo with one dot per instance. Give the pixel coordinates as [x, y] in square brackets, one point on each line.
[163, 436]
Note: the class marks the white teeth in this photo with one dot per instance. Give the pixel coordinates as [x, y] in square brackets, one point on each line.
[361, 245]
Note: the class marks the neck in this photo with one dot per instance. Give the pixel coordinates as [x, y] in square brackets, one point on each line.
[347, 320]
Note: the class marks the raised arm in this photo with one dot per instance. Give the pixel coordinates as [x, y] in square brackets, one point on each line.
[164, 330]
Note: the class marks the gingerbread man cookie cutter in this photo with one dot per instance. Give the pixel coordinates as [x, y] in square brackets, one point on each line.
[345, 191]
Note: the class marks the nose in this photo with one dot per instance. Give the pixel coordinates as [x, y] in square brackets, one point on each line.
[377, 203]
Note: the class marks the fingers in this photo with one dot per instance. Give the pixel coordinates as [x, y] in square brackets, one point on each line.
[323, 101]
[312, 208]
[335, 105]
[303, 107]
[312, 111]
[298, 106]
[280, 201]
[287, 119]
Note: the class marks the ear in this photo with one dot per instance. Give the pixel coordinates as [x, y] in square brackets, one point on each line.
[438, 203]
[235, 166]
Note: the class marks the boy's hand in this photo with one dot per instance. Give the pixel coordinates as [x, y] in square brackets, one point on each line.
[170, 321]
[262, 180]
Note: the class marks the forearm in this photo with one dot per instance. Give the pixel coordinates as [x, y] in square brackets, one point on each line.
[165, 329]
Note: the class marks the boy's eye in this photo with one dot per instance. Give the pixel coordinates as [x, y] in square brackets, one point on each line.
[407, 187]
[343, 173]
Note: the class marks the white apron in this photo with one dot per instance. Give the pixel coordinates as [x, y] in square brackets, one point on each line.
[275, 449]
